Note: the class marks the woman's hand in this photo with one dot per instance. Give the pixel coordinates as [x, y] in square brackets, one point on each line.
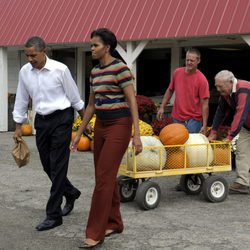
[74, 143]
[137, 144]
[89, 129]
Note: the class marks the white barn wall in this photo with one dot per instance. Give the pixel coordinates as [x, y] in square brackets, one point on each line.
[13, 70]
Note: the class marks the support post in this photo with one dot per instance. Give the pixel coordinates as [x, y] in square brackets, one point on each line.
[80, 73]
[3, 90]
[130, 54]
[246, 38]
[175, 63]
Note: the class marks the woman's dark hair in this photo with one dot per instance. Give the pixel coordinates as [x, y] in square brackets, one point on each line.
[36, 41]
[107, 36]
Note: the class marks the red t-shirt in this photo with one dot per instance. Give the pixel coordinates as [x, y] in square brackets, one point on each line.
[189, 90]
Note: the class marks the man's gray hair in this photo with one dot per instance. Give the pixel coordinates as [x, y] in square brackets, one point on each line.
[225, 75]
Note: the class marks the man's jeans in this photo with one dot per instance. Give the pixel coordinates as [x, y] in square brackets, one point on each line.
[193, 126]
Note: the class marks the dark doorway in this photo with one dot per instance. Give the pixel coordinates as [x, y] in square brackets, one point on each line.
[68, 57]
[153, 72]
[216, 58]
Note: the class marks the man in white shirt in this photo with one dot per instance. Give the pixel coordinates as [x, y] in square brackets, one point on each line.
[54, 96]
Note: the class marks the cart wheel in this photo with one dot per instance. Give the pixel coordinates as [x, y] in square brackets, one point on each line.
[127, 188]
[215, 189]
[148, 195]
[192, 183]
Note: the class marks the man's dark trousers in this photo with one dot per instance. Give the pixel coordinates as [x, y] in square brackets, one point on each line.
[53, 135]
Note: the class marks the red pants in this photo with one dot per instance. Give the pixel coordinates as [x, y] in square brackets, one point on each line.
[110, 143]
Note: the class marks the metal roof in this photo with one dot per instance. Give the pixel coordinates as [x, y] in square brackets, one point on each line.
[71, 21]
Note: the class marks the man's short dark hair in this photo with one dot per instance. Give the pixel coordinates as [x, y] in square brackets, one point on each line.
[36, 41]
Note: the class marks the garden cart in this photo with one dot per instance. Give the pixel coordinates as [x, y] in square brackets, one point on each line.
[196, 164]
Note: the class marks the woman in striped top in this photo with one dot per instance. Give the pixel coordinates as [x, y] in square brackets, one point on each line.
[112, 99]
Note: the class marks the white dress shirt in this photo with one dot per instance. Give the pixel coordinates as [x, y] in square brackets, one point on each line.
[51, 88]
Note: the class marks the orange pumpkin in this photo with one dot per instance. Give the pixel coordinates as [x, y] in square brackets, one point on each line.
[176, 159]
[174, 134]
[83, 144]
[221, 156]
[26, 129]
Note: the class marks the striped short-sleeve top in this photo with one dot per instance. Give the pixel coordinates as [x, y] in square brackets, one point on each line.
[107, 83]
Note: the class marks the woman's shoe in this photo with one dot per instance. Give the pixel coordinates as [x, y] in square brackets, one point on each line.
[86, 245]
[113, 232]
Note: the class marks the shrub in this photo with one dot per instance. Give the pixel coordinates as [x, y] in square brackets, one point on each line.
[158, 125]
[146, 107]
[77, 123]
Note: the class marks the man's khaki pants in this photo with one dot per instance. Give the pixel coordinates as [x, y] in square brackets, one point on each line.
[243, 157]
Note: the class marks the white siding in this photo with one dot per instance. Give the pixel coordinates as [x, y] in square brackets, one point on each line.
[13, 70]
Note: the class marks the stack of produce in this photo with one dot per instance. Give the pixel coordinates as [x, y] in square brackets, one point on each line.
[145, 129]
[153, 156]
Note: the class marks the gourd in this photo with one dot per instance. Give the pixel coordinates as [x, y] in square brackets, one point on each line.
[83, 144]
[199, 155]
[174, 134]
[176, 158]
[145, 129]
[221, 155]
[92, 124]
[152, 157]
[26, 129]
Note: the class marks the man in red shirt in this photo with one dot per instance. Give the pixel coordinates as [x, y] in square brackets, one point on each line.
[235, 96]
[191, 96]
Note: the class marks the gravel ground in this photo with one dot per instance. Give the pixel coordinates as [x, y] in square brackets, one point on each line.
[179, 222]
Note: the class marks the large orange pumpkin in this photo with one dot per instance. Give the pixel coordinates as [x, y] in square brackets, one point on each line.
[26, 129]
[174, 134]
[176, 159]
[83, 144]
[221, 156]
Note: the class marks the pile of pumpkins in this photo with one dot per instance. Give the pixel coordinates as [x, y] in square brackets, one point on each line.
[85, 144]
[161, 151]
[198, 150]
[197, 155]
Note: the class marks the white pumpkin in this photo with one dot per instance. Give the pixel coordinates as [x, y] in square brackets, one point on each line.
[200, 154]
[152, 156]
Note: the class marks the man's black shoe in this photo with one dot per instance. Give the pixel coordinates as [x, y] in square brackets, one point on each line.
[48, 224]
[70, 202]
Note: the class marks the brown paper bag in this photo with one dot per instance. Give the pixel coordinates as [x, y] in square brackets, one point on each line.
[20, 152]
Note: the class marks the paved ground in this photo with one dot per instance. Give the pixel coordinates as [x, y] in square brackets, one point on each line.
[179, 222]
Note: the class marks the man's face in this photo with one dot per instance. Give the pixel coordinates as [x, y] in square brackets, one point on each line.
[223, 87]
[192, 62]
[36, 57]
